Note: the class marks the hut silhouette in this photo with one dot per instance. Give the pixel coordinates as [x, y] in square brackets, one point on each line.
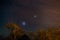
[23, 37]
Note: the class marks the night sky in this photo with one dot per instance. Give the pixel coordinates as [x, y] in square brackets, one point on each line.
[30, 14]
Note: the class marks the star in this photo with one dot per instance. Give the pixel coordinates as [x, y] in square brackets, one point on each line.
[35, 16]
[23, 23]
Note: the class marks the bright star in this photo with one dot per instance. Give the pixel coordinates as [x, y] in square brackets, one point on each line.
[23, 23]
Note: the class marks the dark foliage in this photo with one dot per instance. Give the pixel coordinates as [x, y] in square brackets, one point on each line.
[23, 37]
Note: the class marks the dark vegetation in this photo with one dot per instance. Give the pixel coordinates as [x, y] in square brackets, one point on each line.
[16, 33]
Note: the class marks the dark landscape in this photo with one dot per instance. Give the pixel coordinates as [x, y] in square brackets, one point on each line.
[30, 20]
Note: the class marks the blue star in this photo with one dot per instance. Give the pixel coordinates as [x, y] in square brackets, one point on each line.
[23, 23]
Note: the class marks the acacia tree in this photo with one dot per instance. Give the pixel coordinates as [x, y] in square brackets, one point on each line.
[57, 33]
[14, 30]
[42, 35]
[50, 33]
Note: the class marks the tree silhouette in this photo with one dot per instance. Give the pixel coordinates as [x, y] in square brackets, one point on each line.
[14, 30]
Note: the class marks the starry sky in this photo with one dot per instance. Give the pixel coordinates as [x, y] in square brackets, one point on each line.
[30, 14]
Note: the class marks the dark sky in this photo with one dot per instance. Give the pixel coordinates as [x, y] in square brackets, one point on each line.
[31, 14]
